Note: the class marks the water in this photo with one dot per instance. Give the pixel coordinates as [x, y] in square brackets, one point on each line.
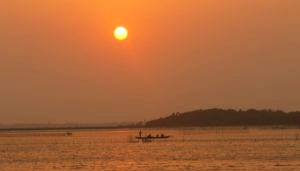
[188, 149]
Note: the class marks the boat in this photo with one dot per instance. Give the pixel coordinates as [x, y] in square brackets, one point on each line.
[149, 137]
[69, 134]
[153, 137]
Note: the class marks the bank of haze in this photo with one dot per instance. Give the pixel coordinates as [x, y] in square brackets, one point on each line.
[229, 117]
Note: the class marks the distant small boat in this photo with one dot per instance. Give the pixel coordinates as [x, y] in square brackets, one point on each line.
[153, 137]
[149, 137]
[69, 134]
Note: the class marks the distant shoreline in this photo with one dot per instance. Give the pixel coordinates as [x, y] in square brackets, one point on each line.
[64, 128]
[279, 127]
[213, 118]
[228, 117]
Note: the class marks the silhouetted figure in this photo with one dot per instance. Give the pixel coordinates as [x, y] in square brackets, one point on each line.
[162, 135]
[140, 133]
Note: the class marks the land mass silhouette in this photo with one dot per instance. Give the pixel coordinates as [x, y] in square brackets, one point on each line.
[196, 118]
[229, 117]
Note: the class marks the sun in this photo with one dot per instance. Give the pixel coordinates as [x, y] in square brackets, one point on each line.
[120, 33]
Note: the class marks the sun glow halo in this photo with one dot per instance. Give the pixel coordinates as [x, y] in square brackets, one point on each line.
[120, 33]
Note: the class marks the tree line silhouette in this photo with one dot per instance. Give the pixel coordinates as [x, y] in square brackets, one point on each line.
[230, 117]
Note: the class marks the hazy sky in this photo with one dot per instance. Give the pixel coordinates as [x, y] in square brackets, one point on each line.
[59, 61]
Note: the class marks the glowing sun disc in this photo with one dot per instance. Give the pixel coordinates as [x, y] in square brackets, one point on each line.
[120, 33]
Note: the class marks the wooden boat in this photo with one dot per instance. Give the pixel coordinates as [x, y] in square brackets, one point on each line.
[151, 138]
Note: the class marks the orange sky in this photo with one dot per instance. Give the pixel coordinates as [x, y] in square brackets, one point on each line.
[59, 61]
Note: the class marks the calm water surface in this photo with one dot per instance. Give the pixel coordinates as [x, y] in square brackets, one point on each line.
[188, 149]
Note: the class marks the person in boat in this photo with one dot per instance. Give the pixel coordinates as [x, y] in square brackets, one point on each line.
[149, 136]
[162, 136]
[140, 133]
